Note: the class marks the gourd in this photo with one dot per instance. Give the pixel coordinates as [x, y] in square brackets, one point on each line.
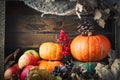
[89, 66]
[90, 48]
[50, 51]
[49, 65]
[89, 45]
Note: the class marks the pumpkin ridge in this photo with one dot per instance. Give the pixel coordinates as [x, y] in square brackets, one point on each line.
[82, 45]
[102, 41]
[91, 41]
[106, 46]
[89, 47]
[86, 43]
[102, 48]
[82, 58]
[75, 52]
[52, 54]
[59, 47]
[98, 48]
[48, 48]
[56, 51]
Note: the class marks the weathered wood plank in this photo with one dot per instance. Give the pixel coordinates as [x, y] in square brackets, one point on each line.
[36, 23]
[21, 18]
[117, 39]
[33, 40]
[25, 19]
[2, 33]
[29, 40]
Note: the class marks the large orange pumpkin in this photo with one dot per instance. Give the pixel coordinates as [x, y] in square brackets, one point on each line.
[49, 65]
[50, 51]
[90, 48]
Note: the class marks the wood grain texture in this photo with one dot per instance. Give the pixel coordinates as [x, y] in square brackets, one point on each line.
[25, 19]
[32, 23]
[2, 33]
[117, 39]
[26, 28]
[29, 40]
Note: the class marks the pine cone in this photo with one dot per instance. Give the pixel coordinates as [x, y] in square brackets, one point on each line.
[68, 61]
[86, 27]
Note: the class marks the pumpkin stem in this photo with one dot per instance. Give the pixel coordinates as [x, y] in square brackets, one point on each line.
[89, 33]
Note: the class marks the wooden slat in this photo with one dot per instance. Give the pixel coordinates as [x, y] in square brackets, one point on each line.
[21, 18]
[117, 39]
[2, 34]
[35, 23]
[29, 40]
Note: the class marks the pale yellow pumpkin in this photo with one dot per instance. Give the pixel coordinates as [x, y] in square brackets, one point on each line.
[50, 51]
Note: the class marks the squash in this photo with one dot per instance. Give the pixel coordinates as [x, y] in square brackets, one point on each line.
[90, 48]
[49, 65]
[89, 66]
[50, 51]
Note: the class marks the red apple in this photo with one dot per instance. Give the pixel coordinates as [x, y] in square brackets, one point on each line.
[33, 52]
[27, 59]
[11, 71]
[25, 71]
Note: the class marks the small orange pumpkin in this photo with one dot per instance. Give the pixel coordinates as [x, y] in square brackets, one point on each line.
[49, 65]
[90, 48]
[50, 51]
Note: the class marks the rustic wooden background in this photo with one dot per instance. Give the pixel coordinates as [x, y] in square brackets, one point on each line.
[23, 27]
[26, 29]
[2, 33]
